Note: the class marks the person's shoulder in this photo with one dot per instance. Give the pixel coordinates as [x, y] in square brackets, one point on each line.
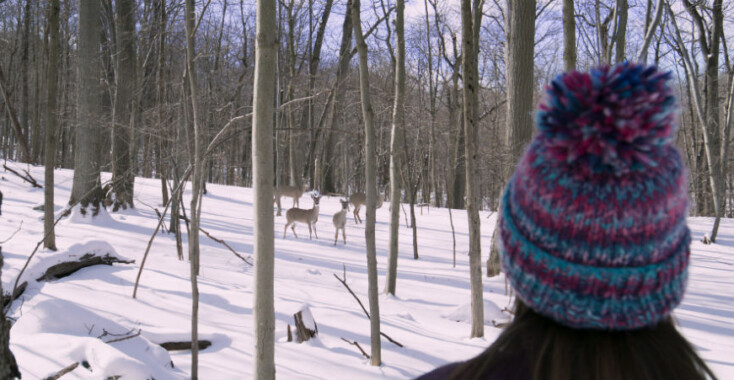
[440, 373]
[508, 366]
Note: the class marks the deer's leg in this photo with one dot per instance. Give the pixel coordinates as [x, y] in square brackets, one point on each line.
[344, 235]
[293, 228]
[336, 236]
[285, 229]
[309, 231]
[315, 232]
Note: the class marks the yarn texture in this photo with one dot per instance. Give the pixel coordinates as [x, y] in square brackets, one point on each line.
[593, 222]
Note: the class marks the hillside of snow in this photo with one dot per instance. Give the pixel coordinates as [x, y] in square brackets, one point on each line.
[81, 318]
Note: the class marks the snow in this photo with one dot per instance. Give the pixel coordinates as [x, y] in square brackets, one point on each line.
[63, 321]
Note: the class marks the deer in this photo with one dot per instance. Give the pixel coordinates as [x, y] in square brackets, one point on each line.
[292, 192]
[359, 199]
[305, 216]
[340, 221]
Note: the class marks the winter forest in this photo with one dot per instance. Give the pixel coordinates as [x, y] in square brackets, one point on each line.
[163, 159]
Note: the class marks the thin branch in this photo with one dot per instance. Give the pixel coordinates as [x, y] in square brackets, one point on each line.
[66, 369]
[125, 337]
[11, 236]
[651, 32]
[344, 282]
[355, 343]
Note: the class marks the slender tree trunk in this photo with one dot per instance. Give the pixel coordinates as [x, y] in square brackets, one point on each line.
[470, 89]
[371, 184]
[650, 26]
[621, 38]
[398, 124]
[262, 147]
[24, 77]
[54, 7]
[196, 182]
[569, 36]
[123, 178]
[86, 186]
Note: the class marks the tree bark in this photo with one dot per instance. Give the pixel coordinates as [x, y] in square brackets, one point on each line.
[569, 36]
[54, 7]
[86, 186]
[196, 182]
[621, 38]
[266, 46]
[24, 77]
[471, 152]
[396, 151]
[8, 365]
[371, 185]
[123, 127]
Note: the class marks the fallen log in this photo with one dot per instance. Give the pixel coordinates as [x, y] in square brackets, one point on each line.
[63, 371]
[17, 293]
[179, 346]
[28, 178]
[66, 268]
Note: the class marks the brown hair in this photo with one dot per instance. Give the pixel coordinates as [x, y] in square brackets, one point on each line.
[553, 351]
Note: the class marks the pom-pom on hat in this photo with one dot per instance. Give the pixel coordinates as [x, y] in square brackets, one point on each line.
[592, 226]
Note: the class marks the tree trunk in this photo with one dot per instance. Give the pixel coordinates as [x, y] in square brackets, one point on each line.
[569, 36]
[8, 365]
[621, 38]
[123, 128]
[54, 7]
[262, 149]
[520, 31]
[24, 77]
[86, 187]
[371, 185]
[196, 182]
[398, 124]
[471, 152]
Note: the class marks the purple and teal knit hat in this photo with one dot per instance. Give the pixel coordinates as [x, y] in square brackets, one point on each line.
[593, 222]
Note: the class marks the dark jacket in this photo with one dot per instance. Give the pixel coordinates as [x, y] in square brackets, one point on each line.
[511, 367]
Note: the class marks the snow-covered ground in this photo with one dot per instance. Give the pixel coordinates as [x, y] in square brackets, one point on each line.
[75, 318]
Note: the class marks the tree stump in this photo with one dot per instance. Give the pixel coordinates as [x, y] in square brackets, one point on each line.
[306, 327]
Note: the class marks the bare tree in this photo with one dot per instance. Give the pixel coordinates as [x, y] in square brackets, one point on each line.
[569, 36]
[86, 187]
[196, 185]
[262, 148]
[371, 182]
[707, 106]
[470, 19]
[123, 178]
[396, 149]
[52, 93]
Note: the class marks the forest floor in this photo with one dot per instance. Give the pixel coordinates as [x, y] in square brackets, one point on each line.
[90, 316]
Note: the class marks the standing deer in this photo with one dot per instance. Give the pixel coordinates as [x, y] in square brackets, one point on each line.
[340, 221]
[309, 217]
[359, 199]
[294, 192]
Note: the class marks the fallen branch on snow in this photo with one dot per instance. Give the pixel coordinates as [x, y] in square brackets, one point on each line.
[63, 371]
[355, 343]
[28, 178]
[66, 268]
[179, 346]
[344, 282]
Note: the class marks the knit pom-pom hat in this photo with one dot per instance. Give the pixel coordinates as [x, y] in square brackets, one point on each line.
[592, 226]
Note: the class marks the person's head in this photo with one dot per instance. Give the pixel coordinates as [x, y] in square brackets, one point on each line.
[593, 230]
